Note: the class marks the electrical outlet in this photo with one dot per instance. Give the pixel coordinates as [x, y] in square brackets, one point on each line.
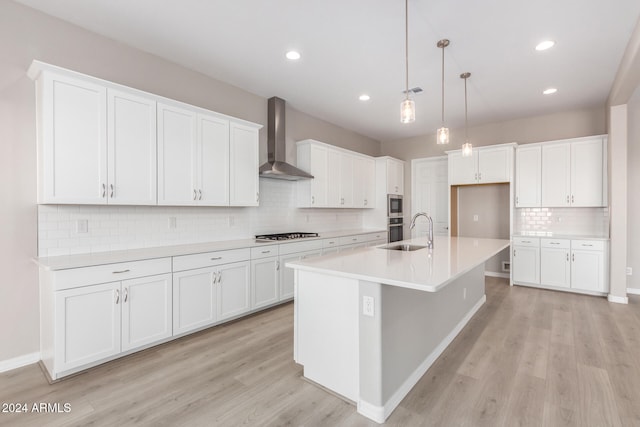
[172, 223]
[629, 271]
[82, 226]
[475, 218]
[367, 306]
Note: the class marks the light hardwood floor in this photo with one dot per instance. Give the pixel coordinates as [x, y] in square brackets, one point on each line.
[529, 357]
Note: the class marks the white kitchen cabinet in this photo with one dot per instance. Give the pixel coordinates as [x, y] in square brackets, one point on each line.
[233, 289]
[194, 299]
[528, 176]
[243, 148]
[485, 166]
[588, 265]
[342, 178]
[178, 182]
[131, 149]
[526, 260]
[286, 274]
[555, 264]
[573, 173]
[87, 326]
[212, 160]
[72, 139]
[265, 275]
[395, 176]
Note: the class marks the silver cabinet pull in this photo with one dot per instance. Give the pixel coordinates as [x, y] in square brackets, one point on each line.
[567, 198]
[480, 176]
[365, 202]
[216, 258]
[573, 257]
[117, 296]
[572, 199]
[313, 199]
[126, 294]
[354, 239]
[585, 244]
[514, 252]
[121, 271]
[567, 256]
[517, 200]
[526, 241]
[195, 194]
[266, 252]
[554, 243]
[111, 189]
[277, 265]
[104, 190]
[219, 276]
[257, 197]
[200, 194]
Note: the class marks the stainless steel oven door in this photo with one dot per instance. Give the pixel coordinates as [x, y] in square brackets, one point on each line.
[395, 228]
[394, 205]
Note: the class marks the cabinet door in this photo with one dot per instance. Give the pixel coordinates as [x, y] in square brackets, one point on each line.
[333, 179]
[287, 274]
[526, 264]
[146, 310]
[177, 156]
[463, 170]
[587, 173]
[494, 165]
[243, 167]
[73, 164]
[528, 176]
[395, 177]
[556, 175]
[346, 180]
[131, 149]
[555, 267]
[87, 323]
[194, 299]
[265, 288]
[232, 289]
[587, 270]
[318, 168]
[213, 164]
[369, 182]
[359, 170]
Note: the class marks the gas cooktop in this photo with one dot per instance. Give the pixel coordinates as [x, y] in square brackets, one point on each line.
[283, 236]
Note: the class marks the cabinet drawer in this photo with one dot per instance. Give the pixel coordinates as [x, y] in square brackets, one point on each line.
[208, 259]
[588, 245]
[555, 243]
[295, 247]
[350, 240]
[526, 241]
[330, 243]
[264, 251]
[77, 277]
[375, 236]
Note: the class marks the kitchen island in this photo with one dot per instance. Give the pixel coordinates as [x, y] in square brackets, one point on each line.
[369, 323]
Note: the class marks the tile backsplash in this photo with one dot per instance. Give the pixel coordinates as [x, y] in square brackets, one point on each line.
[131, 227]
[571, 221]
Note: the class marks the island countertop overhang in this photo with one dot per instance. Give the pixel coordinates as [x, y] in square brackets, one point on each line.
[425, 269]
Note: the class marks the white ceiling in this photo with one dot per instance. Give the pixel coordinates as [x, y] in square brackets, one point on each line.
[350, 47]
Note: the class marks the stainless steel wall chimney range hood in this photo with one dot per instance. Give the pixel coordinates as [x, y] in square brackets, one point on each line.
[276, 166]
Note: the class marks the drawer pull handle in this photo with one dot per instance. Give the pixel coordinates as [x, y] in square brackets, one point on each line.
[121, 271]
[266, 252]
[585, 244]
[354, 240]
[216, 258]
[555, 243]
[526, 241]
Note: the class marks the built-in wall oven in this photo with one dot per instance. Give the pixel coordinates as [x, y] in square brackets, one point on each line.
[395, 228]
[394, 206]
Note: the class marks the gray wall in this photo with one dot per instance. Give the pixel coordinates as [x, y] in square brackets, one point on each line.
[633, 177]
[26, 35]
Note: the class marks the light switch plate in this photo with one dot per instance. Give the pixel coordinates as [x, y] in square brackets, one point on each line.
[82, 226]
[368, 306]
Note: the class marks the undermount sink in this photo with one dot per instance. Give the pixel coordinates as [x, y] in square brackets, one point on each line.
[403, 247]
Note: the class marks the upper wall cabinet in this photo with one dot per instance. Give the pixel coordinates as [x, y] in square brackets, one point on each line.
[395, 176]
[342, 178]
[485, 166]
[103, 143]
[528, 176]
[574, 173]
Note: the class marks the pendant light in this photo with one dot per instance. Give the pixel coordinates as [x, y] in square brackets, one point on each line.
[442, 134]
[408, 106]
[467, 148]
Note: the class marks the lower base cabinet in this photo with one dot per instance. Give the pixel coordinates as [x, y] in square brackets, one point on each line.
[555, 263]
[233, 292]
[526, 260]
[287, 278]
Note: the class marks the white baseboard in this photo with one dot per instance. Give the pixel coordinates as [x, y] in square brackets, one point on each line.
[619, 300]
[19, 362]
[495, 274]
[380, 413]
[633, 291]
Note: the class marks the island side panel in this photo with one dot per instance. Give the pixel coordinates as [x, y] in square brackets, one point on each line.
[326, 331]
[416, 328]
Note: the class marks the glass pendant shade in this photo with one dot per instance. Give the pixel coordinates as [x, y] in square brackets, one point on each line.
[442, 135]
[408, 111]
[467, 149]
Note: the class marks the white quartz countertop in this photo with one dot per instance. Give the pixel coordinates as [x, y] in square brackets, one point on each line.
[424, 269]
[551, 235]
[64, 262]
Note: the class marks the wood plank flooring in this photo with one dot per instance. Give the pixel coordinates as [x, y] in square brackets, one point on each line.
[529, 357]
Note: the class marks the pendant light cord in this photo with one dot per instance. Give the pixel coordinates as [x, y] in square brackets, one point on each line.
[443, 46]
[406, 44]
[466, 121]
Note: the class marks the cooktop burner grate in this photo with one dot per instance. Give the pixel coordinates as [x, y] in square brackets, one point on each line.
[284, 236]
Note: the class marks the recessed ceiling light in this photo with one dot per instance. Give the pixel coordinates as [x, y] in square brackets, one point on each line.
[550, 91]
[293, 55]
[364, 97]
[547, 44]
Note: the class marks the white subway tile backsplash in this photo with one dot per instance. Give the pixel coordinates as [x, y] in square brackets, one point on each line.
[573, 221]
[130, 227]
